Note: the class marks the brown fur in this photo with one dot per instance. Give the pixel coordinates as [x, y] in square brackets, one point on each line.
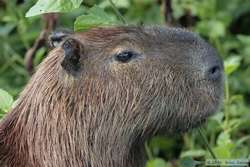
[101, 117]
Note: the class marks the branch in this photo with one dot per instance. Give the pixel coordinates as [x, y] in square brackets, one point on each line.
[119, 15]
[168, 12]
[2, 4]
[50, 24]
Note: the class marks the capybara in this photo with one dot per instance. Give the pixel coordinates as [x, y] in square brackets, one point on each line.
[100, 94]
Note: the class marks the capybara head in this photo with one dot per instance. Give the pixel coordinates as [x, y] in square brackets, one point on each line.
[151, 78]
[109, 89]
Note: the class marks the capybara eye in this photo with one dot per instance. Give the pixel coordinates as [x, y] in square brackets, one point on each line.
[124, 56]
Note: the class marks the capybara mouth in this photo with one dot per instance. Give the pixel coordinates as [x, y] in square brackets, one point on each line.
[196, 106]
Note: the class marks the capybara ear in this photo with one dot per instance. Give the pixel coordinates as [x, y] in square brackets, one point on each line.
[73, 49]
[56, 37]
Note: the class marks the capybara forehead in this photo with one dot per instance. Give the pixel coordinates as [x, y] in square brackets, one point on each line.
[104, 34]
[153, 35]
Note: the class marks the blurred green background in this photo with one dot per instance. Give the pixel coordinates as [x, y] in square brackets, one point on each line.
[225, 24]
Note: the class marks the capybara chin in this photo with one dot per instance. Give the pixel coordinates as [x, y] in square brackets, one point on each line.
[100, 94]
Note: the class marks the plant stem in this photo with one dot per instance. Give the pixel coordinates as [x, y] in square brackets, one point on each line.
[117, 12]
[148, 151]
[206, 143]
[226, 103]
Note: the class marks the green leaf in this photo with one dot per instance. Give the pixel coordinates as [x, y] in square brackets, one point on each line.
[223, 139]
[156, 163]
[96, 17]
[212, 28]
[189, 162]
[52, 6]
[193, 153]
[118, 3]
[6, 100]
[231, 64]
[5, 30]
[39, 56]
[224, 145]
[223, 151]
[244, 39]
[218, 117]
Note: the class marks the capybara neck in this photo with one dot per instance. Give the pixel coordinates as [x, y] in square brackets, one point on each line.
[48, 128]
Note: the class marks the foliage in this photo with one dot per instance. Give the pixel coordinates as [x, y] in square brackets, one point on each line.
[48, 6]
[96, 17]
[6, 100]
[223, 24]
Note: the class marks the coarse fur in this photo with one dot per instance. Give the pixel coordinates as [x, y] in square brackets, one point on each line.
[101, 115]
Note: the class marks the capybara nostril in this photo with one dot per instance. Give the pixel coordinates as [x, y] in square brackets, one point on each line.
[214, 72]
